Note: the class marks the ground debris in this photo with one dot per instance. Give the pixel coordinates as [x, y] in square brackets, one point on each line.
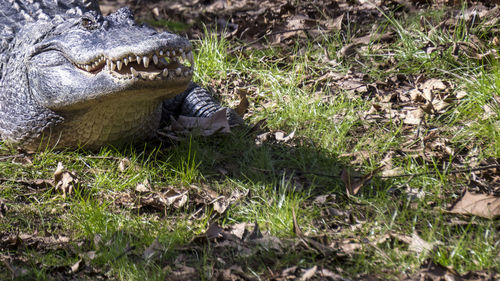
[436, 272]
[482, 205]
[25, 240]
[65, 181]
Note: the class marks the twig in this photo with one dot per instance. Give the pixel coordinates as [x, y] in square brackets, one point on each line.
[15, 181]
[11, 156]
[457, 171]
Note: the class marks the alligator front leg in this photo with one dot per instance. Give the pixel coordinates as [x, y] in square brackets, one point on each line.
[196, 101]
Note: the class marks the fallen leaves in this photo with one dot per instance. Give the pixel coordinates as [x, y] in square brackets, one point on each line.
[169, 198]
[276, 136]
[431, 270]
[482, 205]
[162, 200]
[64, 180]
[34, 241]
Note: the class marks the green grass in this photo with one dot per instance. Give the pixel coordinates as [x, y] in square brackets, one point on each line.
[282, 178]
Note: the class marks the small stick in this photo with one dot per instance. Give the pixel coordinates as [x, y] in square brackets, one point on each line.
[456, 171]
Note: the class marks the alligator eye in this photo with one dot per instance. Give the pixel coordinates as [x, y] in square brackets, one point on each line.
[87, 22]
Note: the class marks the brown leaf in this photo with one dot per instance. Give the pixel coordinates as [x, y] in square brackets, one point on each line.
[183, 272]
[176, 198]
[65, 181]
[336, 24]
[309, 273]
[42, 183]
[143, 187]
[348, 50]
[123, 164]
[164, 200]
[289, 272]
[358, 157]
[419, 245]
[74, 268]
[414, 117]
[243, 105]
[434, 271]
[281, 137]
[214, 231]
[222, 203]
[350, 247]
[482, 205]
[238, 230]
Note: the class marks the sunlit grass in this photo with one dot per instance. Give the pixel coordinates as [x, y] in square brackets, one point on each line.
[281, 178]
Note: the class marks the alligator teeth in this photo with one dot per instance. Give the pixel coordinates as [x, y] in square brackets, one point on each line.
[87, 67]
[146, 61]
[161, 53]
[139, 59]
[155, 59]
[173, 53]
[119, 64]
[131, 59]
[178, 71]
[112, 66]
[164, 72]
[167, 54]
[134, 72]
[125, 61]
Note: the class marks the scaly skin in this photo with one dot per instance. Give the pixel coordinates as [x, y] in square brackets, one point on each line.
[72, 77]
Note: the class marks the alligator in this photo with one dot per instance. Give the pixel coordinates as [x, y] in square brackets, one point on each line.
[72, 77]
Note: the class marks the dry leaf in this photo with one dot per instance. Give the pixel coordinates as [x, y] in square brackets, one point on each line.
[123, 164]
[280, 136]
[243, 105]
[143, 187]
[184, 272]
[74, 268]
[238, 230]
[309, 273]
[393, 172]
[419, 245]
[434, 271]
[482, 205]
[432, 87]
[64, 181]
[414, 117]
[222, 203]
[164, 200]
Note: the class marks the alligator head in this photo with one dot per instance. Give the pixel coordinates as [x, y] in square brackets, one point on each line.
[104, 78]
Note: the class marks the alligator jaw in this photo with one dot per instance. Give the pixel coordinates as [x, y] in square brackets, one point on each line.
[161, 64]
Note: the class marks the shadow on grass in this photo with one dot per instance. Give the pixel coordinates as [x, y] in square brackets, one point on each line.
[282, 178]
